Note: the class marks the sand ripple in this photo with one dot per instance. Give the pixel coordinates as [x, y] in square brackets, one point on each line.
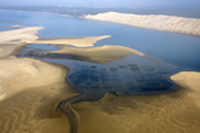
[175, 112]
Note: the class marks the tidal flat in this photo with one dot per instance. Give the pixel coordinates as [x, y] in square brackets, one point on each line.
[109, 88]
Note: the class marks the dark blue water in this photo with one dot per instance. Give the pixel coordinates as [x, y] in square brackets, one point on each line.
[178, 49]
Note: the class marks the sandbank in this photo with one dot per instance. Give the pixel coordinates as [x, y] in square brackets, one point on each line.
[23, 35]
[15, 26]
[189, 80]
[28, 35]
[157, 22]
[105, 54]
[77, 42]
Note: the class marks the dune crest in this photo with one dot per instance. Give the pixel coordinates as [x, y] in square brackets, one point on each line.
[157, 22]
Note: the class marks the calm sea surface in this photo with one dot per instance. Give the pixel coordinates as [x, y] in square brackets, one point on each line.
[178, 49]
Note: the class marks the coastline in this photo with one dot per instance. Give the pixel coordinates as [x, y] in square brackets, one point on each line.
[108, 18]
[174, 24]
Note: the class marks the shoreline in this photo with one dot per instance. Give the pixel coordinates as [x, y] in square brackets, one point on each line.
[91, 17]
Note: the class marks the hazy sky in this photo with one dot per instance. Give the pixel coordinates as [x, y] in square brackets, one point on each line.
[103, 3]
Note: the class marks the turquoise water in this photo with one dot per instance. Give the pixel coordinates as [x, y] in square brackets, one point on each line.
[178, 49]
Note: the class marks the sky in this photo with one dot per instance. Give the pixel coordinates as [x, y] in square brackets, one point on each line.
[101, 3]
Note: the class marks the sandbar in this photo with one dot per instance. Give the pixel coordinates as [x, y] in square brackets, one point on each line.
[157, 22]
[15, 26]
[104, 54]
[29, 35]
[77, 42]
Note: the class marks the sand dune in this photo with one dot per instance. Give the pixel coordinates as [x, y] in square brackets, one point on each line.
[158, 22]
[78, 42]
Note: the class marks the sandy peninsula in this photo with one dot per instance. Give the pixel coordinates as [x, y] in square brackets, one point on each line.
[157, 22]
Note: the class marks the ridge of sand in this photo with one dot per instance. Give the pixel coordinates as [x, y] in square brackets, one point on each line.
[157, 22]
[104, 54]
[77, 42]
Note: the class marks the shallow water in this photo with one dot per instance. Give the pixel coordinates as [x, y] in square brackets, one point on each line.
[178, 49]
[174, 112]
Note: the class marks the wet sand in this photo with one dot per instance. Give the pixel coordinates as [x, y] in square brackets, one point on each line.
[105, 54]
[157, 22]
[175, 112]
[32, 89]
